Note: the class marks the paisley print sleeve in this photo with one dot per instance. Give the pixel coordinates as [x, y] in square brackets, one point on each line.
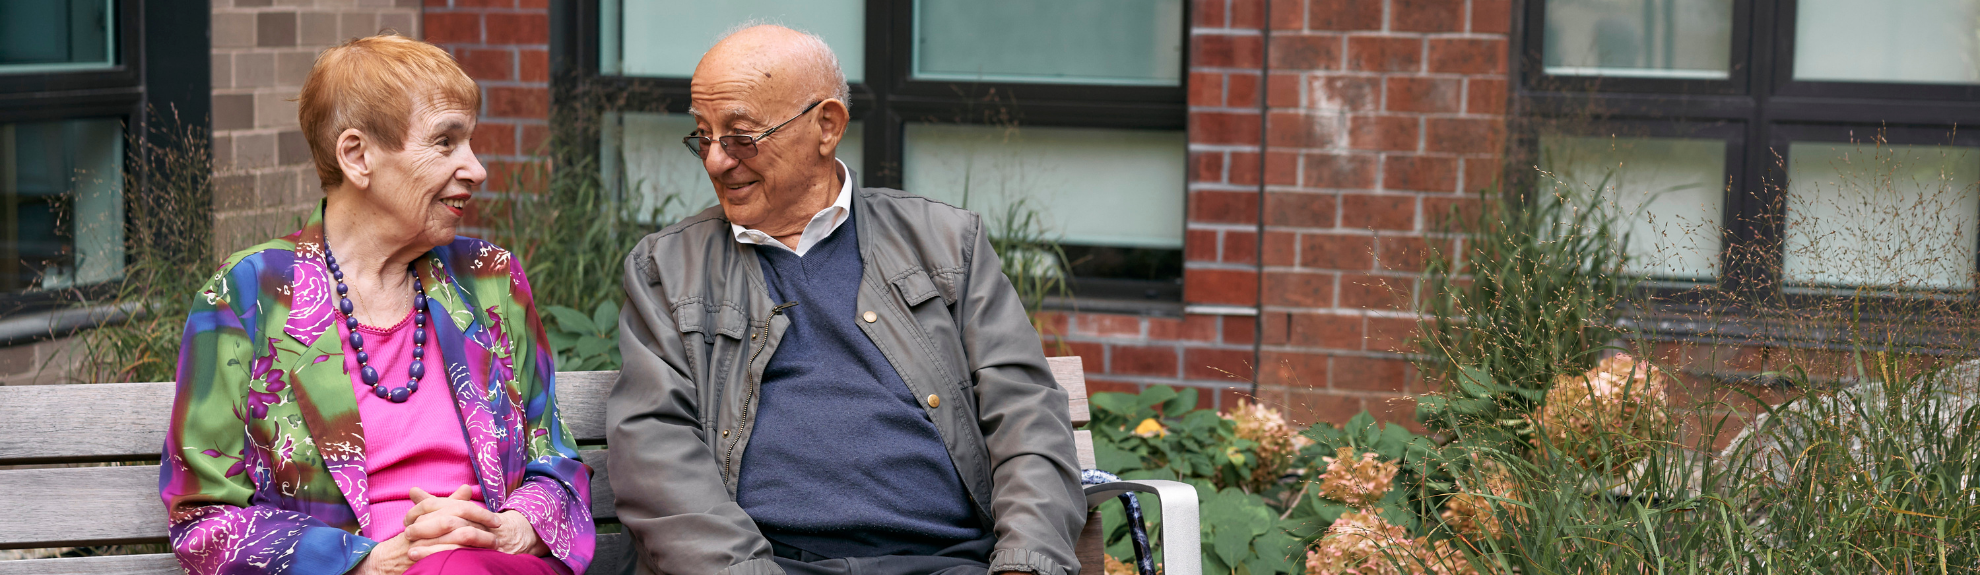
[556, 490]
[209, 473]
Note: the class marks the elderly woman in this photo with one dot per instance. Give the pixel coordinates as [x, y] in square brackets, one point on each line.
[333, 380]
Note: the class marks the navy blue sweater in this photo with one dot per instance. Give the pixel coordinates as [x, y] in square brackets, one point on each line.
[843, 462]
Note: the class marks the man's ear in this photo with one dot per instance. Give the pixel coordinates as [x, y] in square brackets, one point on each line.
[354, 157]
[832, 118]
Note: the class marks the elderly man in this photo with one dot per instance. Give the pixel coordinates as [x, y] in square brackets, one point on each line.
[824, 378]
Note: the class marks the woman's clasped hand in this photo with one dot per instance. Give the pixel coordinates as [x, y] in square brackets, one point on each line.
[437, 524]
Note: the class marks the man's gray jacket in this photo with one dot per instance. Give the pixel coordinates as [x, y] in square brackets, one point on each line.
[699, 326]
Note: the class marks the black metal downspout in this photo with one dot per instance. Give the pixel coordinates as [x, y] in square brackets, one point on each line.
[1258, 250]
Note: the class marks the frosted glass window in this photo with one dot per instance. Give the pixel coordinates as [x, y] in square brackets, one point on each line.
[61, 203]
[1887, 216]
[1922, 41]
[1131, 42]
[641, 154]
[56, 35]
[1121, 188]
[1668, 194]
[1687, 39]
[667, 37]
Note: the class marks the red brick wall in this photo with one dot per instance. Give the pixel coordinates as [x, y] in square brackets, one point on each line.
[1382, 115]
[505, 46]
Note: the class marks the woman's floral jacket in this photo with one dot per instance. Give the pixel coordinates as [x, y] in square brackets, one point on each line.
[264, 463]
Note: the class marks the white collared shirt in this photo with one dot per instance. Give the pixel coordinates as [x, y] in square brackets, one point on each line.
[821, 226]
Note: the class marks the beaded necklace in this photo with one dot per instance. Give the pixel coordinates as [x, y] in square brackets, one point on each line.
[356, 341]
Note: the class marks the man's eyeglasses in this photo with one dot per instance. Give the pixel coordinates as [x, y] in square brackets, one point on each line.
[739, 146]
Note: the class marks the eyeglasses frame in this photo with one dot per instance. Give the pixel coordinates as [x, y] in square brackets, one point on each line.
[742, 140]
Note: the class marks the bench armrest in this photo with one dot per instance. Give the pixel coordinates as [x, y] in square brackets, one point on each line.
[1182, 548]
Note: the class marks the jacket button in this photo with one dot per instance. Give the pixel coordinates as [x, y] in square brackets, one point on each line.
[870, 317]
[934, 400]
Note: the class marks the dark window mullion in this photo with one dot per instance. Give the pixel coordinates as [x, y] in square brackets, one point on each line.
[1752, 261]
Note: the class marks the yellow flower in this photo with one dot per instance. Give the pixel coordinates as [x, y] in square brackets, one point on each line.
[1150, 428]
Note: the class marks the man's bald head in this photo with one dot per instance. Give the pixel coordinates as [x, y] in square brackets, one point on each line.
[789, 61]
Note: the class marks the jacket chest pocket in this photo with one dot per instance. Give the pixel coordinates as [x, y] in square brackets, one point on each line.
[712, 336]
[930, 304]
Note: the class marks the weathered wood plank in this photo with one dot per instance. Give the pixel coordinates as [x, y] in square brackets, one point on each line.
[152, 564]
[46, 423]
[610, 556]
[581, 401]
[1083, 444]
[77, 506]
[602, 500]
[1091, 546]
[127, 420]
[1071, 375]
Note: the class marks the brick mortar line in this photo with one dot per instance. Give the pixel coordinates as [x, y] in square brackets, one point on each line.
[482, 10]
[1146, 341]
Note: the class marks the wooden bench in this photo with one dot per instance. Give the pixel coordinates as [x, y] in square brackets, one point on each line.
[124, 423]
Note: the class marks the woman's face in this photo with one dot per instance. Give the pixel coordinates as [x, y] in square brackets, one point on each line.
[425, 187]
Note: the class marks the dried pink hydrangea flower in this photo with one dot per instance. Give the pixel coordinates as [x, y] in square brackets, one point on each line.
[1622, 395]
[1361, 542]
[1278, 444]
[1358, 482]
[1472, 514]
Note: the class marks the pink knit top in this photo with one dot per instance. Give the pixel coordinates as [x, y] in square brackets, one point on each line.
[418, 443]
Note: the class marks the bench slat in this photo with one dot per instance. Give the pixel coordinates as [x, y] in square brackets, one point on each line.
[127, 420]
[77, 506]
[609, 557]
[1071, 375]
[602, 500]
[581, 402]
[148, 564]
[47, 423]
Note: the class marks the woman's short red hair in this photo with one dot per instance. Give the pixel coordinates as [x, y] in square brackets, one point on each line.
[372, 84]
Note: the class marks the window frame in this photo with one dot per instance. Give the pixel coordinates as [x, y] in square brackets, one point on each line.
[1767, 109]
[164, 64]
[889, 98]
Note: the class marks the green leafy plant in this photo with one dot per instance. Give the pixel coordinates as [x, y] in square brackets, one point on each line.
[1533, 295]
[584, 342]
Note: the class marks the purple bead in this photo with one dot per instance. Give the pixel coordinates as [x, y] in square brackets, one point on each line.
[419, 301]
[344, 305]
[350, 323]
[343, 290]
[419, 319]
[419, 352]
[370, 375]
[418, 370]
[338, 275]
[363, 358]
[399, 395]
[357, 341]
[412, 386]
[332, 260]
[381, 392]
[419, 337]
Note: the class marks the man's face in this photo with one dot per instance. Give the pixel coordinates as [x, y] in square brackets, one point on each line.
[740, 100]
[426, 185]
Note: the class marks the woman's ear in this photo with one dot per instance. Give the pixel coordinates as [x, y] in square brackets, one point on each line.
[832, 117]
[354, 158]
